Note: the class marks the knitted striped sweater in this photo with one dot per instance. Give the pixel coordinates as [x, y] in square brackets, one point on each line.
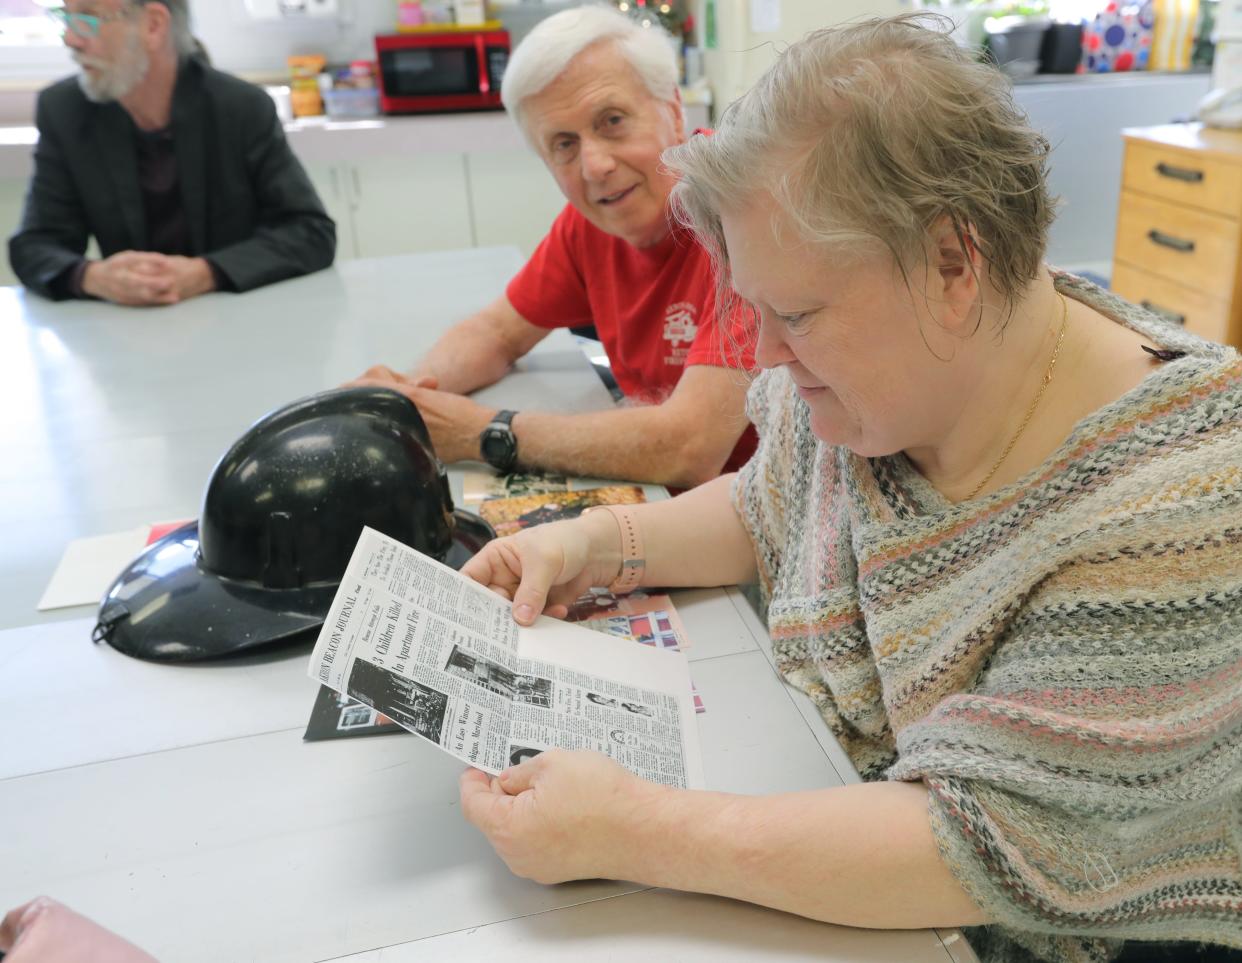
[1060, 662]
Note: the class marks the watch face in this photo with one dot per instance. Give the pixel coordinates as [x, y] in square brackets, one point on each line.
[498, 448]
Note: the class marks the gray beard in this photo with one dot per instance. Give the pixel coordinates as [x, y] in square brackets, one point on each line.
[116, 80]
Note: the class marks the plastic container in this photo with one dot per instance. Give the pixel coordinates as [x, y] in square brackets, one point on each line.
[304, 94]
[410, 14]
[352, 102]
[469, 12]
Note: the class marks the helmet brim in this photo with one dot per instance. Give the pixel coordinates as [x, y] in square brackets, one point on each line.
[165, 607]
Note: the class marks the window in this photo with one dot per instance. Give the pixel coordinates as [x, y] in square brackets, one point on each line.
[25, 22]
[31, 51]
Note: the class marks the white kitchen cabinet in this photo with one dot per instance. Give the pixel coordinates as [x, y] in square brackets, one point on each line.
[330, 181]
[12, 195]
[408, 204]
[514, 198]
[396, 205]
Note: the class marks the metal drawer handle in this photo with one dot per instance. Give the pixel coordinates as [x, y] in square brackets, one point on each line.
[1179, 173]
[1168, 240]
[1178, 319]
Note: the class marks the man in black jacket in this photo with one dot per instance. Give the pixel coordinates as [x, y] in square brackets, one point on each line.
[181, 173]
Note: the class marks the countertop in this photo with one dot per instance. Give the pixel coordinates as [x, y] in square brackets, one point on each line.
[316, 139]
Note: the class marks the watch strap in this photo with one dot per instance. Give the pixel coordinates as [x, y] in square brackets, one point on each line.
[633, 558]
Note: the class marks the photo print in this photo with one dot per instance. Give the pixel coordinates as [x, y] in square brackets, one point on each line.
[509, 515]
[519, 754]
[336, 716]
[474, 668]
[414, 706]
[478, 486]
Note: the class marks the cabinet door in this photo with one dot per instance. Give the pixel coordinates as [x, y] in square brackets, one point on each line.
[515, 199]
[12, 196]
[331, 183]
[404, 205]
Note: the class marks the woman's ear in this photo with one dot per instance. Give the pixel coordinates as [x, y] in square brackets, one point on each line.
[957, 260]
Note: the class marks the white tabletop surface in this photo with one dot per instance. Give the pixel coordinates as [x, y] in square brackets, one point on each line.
[178, 804]
[94, 395]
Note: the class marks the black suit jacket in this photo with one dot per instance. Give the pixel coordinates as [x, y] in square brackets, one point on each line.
[250, 207]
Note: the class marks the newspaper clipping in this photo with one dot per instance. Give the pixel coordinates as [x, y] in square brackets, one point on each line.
[441, 655]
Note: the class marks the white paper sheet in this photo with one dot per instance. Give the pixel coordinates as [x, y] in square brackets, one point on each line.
[89, 565]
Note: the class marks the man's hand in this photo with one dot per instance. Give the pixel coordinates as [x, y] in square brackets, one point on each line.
[561, 815]
[455, 422]
[382, 376]
[144, 278]
[193, 276]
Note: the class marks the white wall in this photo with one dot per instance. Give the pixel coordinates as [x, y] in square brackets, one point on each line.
[1083, 119]
[241, 45]
[743, 55]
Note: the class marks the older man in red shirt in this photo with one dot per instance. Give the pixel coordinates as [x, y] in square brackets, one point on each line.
[596, 95]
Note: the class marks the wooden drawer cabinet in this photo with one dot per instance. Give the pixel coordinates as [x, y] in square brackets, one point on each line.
[1179, 227]
[1182, 177]
[1181, 244]
[1206, 316]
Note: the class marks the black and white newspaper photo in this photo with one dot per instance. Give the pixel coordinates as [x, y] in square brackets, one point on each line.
[442, 656]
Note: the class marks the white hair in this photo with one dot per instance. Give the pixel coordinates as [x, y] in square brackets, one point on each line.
[548, 49]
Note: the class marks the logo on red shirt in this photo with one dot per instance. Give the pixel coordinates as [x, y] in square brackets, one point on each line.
[679, 329]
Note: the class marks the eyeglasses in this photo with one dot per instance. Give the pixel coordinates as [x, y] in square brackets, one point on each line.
[84, 25]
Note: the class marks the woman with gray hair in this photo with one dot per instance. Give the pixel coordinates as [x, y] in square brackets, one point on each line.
[994, 518]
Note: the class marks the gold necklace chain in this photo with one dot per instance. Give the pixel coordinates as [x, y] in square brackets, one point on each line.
[1043, 386]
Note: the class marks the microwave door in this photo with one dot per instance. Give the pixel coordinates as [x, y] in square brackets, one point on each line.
[430, 71]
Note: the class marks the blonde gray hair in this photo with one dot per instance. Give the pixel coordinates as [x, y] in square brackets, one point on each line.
[547, 50]
[868, 135]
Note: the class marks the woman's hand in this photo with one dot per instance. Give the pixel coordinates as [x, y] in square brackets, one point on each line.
[561, 815]
[45, 931]
[544, 568]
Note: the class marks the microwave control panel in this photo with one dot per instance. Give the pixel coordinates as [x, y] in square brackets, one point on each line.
[497, 60]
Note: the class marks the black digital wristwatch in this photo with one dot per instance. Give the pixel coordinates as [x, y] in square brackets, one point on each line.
[498, 444]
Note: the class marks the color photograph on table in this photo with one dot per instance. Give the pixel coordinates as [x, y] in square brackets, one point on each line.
[510, 515]
[479, 486]
[336, 716]
[649, 619]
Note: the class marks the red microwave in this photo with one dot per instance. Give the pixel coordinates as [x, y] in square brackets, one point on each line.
[460, 70]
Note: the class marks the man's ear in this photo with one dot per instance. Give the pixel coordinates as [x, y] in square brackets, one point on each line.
[679, 114]
[156, 25]
[960, 265]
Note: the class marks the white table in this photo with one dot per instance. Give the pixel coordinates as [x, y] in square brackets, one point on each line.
[114, 417]
[178, 804]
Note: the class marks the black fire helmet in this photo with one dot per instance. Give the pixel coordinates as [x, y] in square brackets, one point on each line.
[281, 515]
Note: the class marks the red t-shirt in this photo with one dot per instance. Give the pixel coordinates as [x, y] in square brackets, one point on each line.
[654, 307]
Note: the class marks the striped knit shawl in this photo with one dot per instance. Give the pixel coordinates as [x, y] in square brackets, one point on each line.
[1060, 662]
